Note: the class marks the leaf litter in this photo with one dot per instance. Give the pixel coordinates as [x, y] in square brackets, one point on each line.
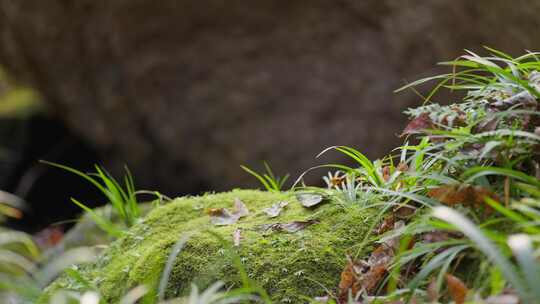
[223, 217]
[309, 200]
[275, 209]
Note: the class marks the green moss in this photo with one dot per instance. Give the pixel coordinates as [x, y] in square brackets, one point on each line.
[287, 265]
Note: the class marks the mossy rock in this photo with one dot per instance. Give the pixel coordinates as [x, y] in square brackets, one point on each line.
[288, 265]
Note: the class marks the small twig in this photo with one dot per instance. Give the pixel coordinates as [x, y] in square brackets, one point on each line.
[507, 191]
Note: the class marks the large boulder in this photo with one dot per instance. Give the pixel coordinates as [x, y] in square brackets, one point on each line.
[287, 265]
[185, 91]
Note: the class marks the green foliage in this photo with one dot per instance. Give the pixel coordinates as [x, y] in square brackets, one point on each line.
[123, 200]
[462, 194]
[268, 179]
[479, 151]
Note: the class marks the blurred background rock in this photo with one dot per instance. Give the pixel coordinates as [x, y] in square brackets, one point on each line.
[183, 92]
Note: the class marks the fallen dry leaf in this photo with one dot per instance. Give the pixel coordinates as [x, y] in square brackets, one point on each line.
[222, 216]
[240, 208]
[365, 276]
[237, 235]
[457, 288]
[289, 227]
[404, 212]
[462, 195]
[349, 280]
[309, 199]
[386, 225]
[275, 209]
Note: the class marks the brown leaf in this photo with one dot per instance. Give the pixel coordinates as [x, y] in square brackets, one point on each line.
[372, 278]
[403, 167]
[222, 216]
[386, 173]
[457, 288]
[348, 280]
[309, 200]
[386, 225]
[418, 124]
[404, 212]
[365, 276]
[291, 227]
[237, 235]
[462, 195]
[450, 194]
[275, 209]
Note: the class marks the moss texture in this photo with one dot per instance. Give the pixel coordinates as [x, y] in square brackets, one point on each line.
[288, 265]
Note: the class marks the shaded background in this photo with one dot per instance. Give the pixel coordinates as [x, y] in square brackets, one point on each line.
[183, 92]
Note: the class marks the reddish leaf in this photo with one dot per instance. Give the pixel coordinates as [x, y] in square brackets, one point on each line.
[457, 288]
[49, 237]
[348, 281]
[386, 173]
[418, 124]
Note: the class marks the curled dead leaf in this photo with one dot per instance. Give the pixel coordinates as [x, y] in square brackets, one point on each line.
[275, 209]
[458, 289]
[240, 208]
[222, 216]
[309, 200]
[365, 276]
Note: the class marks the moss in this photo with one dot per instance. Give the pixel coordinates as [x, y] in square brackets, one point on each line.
[287, 265]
